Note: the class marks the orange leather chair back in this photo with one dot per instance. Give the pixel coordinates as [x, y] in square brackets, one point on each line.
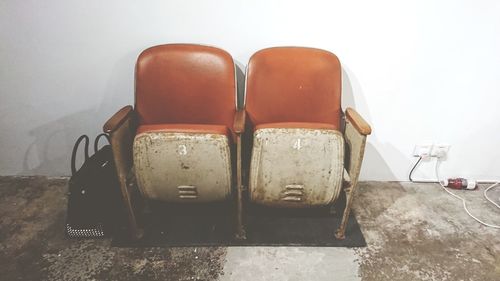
[184, 83]
[294, 84]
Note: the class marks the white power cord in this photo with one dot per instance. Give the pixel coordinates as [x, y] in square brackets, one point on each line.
[463, 200]
[488, 198]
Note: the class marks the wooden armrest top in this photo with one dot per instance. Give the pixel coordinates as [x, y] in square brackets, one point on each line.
[117, 119]
[358, 122]
[239, 121]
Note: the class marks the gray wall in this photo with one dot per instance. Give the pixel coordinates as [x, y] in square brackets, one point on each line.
[419, 71]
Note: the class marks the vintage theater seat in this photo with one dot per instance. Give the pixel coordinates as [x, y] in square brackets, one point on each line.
[300, 133]
[181, 141]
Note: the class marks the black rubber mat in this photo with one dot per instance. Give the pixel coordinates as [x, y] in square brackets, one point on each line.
[171, 226]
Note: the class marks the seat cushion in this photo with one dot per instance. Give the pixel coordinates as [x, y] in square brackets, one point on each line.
[298, 125]
[293, 84]
[185, 128]
[185, 83]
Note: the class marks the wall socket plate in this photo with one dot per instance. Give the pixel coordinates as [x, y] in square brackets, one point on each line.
[422, 150]
[440, 150]
[431, 150]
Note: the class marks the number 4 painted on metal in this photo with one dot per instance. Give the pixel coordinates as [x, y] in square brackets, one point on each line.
[297, 144]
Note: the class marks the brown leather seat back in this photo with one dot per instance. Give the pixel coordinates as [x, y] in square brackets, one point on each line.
[183, 83]
[293, 84]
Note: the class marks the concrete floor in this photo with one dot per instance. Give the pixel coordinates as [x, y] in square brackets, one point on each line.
[413, 231]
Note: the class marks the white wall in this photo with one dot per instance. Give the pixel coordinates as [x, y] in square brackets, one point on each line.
[419, 71]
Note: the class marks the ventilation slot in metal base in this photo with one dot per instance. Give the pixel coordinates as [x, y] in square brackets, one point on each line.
[187, 192]
[293, 193]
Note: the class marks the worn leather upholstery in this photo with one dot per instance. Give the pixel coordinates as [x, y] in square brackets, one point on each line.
[294, 84]
[185, 84]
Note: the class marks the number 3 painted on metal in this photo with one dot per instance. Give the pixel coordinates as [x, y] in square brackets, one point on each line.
[182, 149]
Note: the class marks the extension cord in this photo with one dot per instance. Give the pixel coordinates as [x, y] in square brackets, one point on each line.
[463, 200]
[485, 192]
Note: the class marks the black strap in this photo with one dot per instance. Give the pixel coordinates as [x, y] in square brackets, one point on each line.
[96, 141]
[75, 148]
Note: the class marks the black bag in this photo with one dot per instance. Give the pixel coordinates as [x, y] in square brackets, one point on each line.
[94, 193]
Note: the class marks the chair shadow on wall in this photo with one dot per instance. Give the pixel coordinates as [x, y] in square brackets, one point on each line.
[240, 78]
[50, 151]
[374, 164]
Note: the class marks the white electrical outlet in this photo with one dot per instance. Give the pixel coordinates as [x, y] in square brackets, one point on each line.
[422, 150]
[440, 150]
